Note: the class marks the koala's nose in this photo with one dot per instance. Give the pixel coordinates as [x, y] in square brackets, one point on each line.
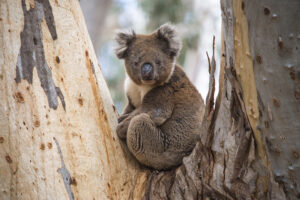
[147, 72]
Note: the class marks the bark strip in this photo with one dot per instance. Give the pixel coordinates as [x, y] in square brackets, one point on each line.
[32, 51]
[64, 172]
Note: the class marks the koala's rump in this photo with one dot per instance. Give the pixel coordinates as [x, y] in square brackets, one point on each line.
[182, 128]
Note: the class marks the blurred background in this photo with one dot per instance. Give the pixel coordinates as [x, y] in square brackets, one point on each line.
[197, 21]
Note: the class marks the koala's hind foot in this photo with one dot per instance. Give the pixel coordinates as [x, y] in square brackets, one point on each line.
[147, 142]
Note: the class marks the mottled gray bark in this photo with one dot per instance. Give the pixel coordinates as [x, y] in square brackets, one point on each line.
[32, 50]
[274, 38]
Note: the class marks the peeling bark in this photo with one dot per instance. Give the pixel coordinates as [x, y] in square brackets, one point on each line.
[64, 172]
[32, 50]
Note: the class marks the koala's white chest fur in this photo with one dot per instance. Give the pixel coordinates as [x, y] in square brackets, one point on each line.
[135, 92]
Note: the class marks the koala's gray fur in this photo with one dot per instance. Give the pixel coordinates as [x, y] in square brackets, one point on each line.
[162, 119]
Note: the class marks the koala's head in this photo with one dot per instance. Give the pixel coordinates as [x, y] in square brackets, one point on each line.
[149, 59]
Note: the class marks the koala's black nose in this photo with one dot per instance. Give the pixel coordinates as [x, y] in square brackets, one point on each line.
[147, 72]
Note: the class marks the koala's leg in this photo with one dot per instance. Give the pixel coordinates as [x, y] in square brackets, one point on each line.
[146, 141]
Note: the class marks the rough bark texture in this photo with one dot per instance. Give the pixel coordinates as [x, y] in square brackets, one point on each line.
[249, 146]
[57, 119]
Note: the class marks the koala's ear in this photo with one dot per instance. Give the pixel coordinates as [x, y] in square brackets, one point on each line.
[124, 39]
[168, 33]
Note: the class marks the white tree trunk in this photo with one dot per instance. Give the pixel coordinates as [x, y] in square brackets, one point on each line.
[57, 119]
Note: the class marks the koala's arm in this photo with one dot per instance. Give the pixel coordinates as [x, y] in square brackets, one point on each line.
[156, 104]
[128, 109]
[124, 123]
[159, 107]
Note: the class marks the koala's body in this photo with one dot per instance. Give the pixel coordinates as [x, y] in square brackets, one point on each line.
[162, 119]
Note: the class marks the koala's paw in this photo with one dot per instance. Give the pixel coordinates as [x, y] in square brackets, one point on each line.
[122, 117]
[122, 130]
[158, 120]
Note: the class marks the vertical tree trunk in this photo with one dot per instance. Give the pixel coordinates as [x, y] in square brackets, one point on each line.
[57, 119]
[275, 48]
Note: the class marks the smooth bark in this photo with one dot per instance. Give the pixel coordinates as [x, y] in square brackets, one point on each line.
[57, 119]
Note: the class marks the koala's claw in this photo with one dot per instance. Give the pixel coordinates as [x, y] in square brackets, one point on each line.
[121, 131]
[122, 117]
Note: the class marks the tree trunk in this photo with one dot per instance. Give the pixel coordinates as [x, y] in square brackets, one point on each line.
[57, 119]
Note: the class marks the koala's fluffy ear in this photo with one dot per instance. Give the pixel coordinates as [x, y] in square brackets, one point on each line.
[168, 33]
[124, 39]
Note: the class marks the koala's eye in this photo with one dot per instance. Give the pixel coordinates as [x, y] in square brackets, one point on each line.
[136, 63]
[157, 62]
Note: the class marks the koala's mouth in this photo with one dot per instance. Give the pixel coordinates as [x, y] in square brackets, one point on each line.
[148, 82]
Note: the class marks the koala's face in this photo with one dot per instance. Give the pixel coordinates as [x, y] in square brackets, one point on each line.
[149, 59]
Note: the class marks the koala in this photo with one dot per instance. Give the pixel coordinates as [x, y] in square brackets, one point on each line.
[161, 122]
